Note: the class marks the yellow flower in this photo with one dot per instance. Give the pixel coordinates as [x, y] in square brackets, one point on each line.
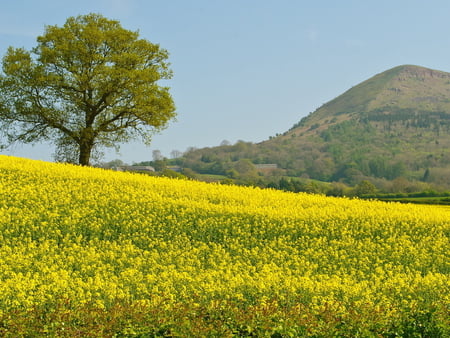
[92, 236]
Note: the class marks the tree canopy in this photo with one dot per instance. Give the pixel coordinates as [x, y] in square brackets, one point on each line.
[86, 85]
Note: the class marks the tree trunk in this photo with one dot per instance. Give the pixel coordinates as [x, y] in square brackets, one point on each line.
[86, 143]
[85, 152]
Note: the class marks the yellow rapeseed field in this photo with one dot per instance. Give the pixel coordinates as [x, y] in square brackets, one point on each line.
[97, 253]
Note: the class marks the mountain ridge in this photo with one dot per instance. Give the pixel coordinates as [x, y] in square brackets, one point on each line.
[394, 124]
[367, 95]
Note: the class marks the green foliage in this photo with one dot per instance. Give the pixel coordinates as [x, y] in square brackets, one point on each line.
[159, 165]
[365, 188]
[395, 124]
[90, 83]
[172, 174]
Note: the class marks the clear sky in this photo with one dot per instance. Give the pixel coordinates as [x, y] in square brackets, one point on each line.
[249, 69]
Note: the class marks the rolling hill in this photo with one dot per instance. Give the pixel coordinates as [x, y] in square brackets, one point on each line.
[86, 252]
[395, 124]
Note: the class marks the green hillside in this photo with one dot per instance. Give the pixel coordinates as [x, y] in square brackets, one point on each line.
[393, 126]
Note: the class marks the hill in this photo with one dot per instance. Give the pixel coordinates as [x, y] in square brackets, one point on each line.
[393, 125]
[86, 252]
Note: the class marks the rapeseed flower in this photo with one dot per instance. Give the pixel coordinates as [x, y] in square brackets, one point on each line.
[74, 238]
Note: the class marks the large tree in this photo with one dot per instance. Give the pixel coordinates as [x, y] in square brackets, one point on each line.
[87, 84]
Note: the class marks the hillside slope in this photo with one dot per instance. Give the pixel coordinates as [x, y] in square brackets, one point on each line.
[395, 124]
[86, 252]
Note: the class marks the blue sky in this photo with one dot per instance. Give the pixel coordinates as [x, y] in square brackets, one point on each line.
[249, 69]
